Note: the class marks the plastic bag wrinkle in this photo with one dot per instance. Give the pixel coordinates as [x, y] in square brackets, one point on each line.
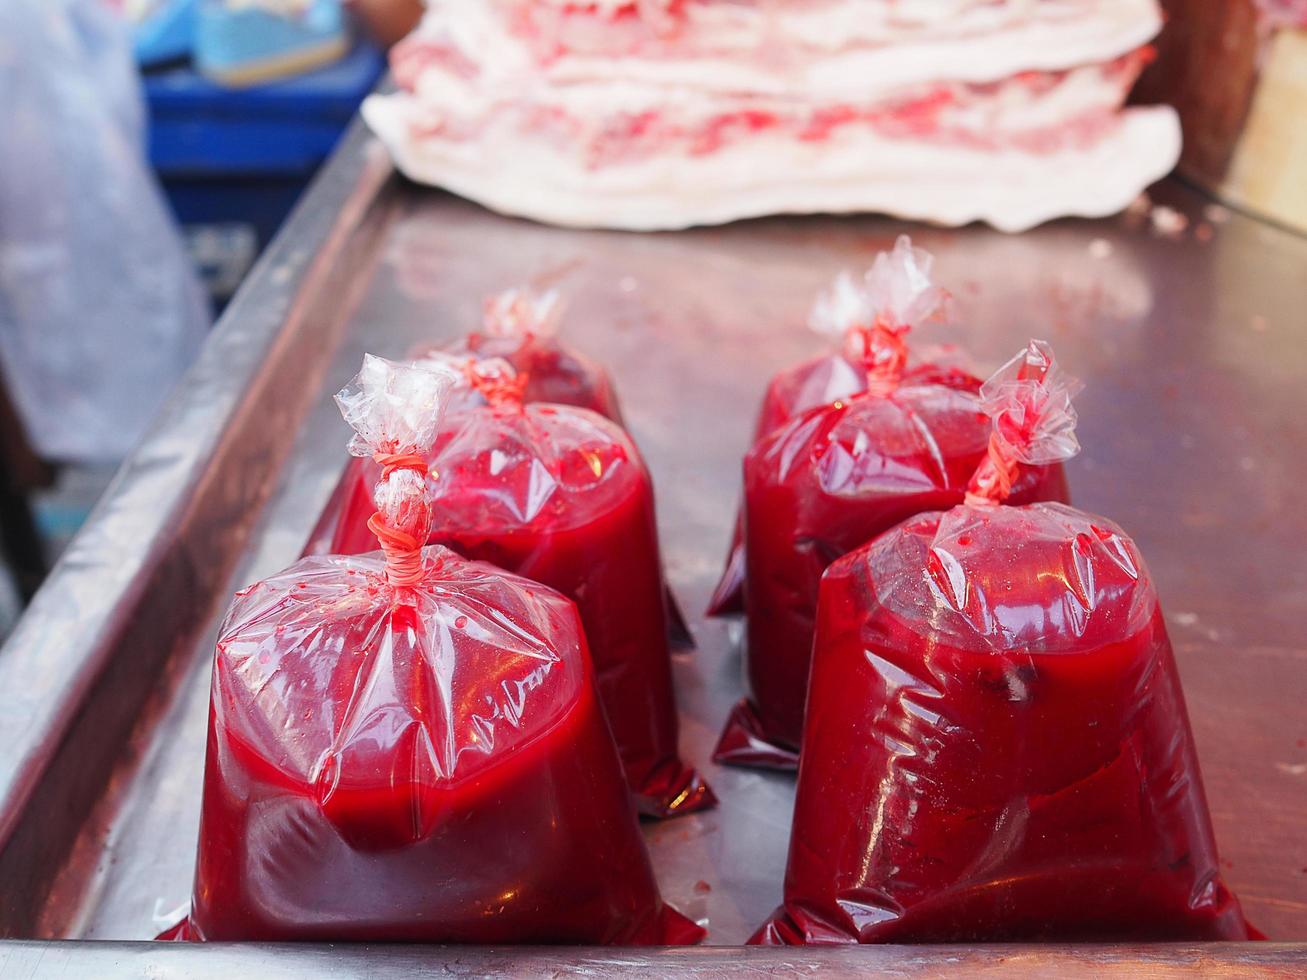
[1103, 571]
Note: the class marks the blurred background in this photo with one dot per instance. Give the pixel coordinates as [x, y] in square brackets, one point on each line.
[152, 148]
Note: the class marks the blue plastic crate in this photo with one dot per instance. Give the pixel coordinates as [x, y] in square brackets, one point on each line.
[283, 128]
[233, 162]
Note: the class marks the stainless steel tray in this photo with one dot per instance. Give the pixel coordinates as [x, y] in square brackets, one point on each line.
[1194, 356]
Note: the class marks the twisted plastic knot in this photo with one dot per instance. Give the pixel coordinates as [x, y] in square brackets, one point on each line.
[403, 552]
[497, 388]
[1029, 403]
[392, 462]
[883, 351]
[992, 482]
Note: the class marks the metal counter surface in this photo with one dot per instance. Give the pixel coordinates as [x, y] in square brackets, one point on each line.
[1194, 354]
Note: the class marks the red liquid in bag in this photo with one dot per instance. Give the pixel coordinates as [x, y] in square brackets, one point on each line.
[816, 382]
[408, 745]
[827, 482]
[997, 747]
[561, 496]
[429, 767]
[871, 317]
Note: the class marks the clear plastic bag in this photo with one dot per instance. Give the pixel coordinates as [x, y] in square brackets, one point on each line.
[409, 745]
[560, 495]
[100, 310]
[828, 481]
[997, 747]
[871, 320]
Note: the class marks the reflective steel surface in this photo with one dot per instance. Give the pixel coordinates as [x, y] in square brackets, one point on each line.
[305, 961]
[1194, 354]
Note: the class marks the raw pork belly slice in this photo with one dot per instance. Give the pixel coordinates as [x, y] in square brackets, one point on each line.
[652, 114]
